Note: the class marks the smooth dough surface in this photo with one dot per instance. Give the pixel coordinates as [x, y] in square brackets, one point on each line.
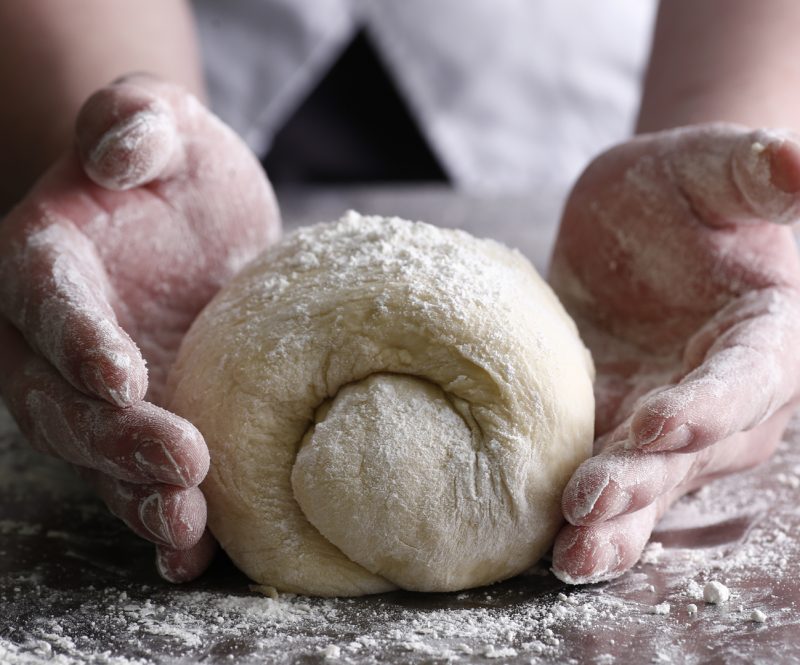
[387, 404]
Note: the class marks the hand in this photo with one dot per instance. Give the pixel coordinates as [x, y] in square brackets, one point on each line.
[103, 267]
[687, 291]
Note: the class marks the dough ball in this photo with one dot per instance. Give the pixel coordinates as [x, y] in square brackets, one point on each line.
[387, 404]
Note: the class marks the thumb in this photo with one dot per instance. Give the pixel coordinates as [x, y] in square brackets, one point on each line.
[127, 135]
[731, 175]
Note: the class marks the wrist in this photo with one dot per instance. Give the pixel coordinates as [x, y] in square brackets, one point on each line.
[758, 107]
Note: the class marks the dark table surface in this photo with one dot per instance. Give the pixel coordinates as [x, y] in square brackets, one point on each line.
[77, 587]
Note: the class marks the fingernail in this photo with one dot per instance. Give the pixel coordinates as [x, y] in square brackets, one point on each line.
[92, 377]
[594, 490]
[120, 365]
[162, 565]
[606, 562]
[784, 166]
[605, 567]
[155, 460]
[646, 437]
[619, 501]
[124, 136]
[151, 514]
[133, 151]
[674, 440]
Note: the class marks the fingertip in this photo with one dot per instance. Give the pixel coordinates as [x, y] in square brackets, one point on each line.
[99, 358]
[580, 557]
[784, 156]
[173, 517]
[166, 515]
[592, 554]
[132, 152]
[117, 376]
[646, 427]
[593, 493]
[582, 499]
[171, 452]
[179, 566]
[659, 436]
[601, 489]
[766, 171]
[126, 136]
[595, 503]
[190, 451]
[656, 425]
[187, 513]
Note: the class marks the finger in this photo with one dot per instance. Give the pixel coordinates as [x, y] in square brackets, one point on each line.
[604, 546]
[141, 129]
[140, 444]
[617, 481]
[620, 481]
[126, 136]
[591, 554]
[749, 372]
[170, 516]
[734, 176]
[179, 566]
[54, 288]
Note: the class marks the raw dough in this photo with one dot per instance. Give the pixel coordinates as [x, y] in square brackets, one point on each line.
[387, 404]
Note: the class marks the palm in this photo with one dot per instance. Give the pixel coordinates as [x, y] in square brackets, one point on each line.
[653, 275]
[166, 246]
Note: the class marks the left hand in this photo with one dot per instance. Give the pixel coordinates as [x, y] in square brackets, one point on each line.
[686, 288]
[103, 267]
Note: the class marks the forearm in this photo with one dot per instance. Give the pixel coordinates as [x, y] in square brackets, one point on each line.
[723, 60]
[55, 54]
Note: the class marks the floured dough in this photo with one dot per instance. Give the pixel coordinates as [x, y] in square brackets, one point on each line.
[387, 404]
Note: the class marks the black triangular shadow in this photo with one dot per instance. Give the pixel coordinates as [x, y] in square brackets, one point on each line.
[354, 127]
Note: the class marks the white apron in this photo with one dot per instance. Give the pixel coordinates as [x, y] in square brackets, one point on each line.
[508, 93]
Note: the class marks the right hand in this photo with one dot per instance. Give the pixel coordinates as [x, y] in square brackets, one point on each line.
[675, 260]
[103, 267]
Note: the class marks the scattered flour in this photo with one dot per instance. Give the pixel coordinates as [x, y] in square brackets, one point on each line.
[652, 553]
[716, 593]
[694, 590]
[76, 607]
[331, 652]
[661, 608]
